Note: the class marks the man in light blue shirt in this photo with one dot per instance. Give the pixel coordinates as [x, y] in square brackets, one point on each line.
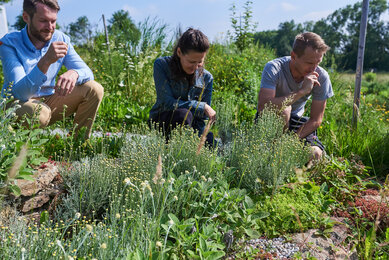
[31, 60]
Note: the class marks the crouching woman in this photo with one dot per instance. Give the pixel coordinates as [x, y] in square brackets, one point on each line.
[184, 87]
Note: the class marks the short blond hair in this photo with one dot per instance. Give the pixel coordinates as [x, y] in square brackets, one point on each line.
[309, 39]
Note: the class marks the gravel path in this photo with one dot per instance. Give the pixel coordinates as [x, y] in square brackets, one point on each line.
[276, 248]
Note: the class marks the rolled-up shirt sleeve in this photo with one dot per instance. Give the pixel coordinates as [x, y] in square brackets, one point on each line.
[73, 61]
[23, 85]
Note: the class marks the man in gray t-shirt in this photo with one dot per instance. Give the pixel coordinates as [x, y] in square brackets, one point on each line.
[290, 81]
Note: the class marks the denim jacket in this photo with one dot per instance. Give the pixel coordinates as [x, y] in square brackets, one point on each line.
[172, 94]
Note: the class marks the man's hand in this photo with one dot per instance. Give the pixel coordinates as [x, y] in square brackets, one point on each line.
[66, 83]
[56, 51]
[309, 82]
[208, 110]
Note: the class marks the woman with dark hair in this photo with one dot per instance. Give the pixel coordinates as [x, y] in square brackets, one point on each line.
[184, 87]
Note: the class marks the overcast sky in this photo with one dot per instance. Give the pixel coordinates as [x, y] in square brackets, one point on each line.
[210, 16]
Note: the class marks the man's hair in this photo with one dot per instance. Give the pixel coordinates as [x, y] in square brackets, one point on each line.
[29, 6]
[190, 40]
[309, 39]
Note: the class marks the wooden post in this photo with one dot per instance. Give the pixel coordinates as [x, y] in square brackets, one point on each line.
[107, 41]
[359, 69]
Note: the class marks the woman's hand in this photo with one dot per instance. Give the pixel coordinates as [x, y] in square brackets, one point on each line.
[208, 110]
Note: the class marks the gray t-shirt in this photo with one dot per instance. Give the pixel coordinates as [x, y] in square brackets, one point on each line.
[276, 75]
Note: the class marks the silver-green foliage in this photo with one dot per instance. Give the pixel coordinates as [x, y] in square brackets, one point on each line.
[263, 155]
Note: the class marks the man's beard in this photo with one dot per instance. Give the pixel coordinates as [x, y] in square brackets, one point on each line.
[38, 34]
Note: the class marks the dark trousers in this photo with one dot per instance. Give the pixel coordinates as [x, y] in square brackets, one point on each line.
[169, 120]
[295, 122]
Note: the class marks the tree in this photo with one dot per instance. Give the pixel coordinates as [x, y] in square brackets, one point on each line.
[282, 39]
[122, 27]
[340, 30]
[243, 32]
[20, 23]
[80, 31]
[4, 1]
[266, 38]
[286, 33]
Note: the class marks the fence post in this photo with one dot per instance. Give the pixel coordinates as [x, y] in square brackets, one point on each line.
[359, 69]
[107, 41]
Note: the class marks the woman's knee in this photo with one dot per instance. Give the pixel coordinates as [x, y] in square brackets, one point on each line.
[183, 115]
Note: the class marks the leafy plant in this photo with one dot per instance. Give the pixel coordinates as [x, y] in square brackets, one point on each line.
[13, 137]
[263, 155]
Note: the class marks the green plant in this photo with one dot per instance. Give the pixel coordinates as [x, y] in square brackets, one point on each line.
[15, 140]
[263, 155]
[369, 140]
[294, 209]
[370, 76]
[243, 32]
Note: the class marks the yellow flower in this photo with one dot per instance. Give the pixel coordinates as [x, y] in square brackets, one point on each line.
[103, 246]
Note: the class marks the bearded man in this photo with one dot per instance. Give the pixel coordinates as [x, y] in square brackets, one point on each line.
[31, 60]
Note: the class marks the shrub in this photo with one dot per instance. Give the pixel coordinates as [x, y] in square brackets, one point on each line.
[369, 140]
[292, 210]
[238, 74]
[263, 155]
[370, 76]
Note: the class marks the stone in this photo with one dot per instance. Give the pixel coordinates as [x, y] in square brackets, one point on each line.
[35, 202]
[43, 177]
[322, 247]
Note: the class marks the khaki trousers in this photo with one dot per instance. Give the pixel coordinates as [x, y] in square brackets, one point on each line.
[83, 101]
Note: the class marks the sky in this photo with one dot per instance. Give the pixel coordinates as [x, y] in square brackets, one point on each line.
[210, 16]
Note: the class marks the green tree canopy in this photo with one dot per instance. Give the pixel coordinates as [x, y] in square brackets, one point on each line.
[340, 30]
[122, 27]
[80, 31]
[19, 23]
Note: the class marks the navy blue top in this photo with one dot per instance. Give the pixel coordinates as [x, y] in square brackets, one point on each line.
[173, 94]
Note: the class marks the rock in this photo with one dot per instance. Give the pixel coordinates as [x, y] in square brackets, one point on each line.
[35, 202]
[322, 247]
[43, 177]
[37, 195]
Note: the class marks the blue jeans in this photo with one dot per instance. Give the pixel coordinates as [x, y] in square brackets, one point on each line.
[169, 120]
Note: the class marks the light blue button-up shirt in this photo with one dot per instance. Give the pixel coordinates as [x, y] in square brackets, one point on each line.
[19, 58]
